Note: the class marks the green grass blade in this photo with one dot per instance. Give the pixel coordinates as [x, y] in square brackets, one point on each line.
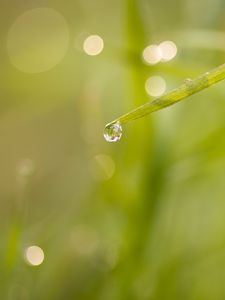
[188, 88]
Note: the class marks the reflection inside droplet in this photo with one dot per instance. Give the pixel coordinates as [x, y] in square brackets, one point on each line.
[113, 132]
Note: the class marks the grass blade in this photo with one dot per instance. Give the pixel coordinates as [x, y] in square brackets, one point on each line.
[188, 88]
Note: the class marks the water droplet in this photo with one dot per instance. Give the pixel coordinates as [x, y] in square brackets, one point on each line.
[113, 132]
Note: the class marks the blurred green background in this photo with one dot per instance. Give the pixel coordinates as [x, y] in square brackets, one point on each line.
[81, 218]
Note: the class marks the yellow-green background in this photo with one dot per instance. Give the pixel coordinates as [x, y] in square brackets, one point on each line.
[156, 229]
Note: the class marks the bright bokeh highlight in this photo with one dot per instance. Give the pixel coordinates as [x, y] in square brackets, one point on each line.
[155, 86]
[168, 50]
[93, 45]
[38, 40]
[152, 54]
[34, 255]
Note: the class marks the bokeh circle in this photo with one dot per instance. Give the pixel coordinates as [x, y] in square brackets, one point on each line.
[38, 40]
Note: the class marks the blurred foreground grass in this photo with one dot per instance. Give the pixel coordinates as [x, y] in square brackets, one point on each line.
[141, 219]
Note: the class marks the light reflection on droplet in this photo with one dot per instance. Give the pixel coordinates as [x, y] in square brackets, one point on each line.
[93, 45]
[168, 50]
[38, 40]
[155, 86]
[34, 255]
[152, 54]
[113, 132]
